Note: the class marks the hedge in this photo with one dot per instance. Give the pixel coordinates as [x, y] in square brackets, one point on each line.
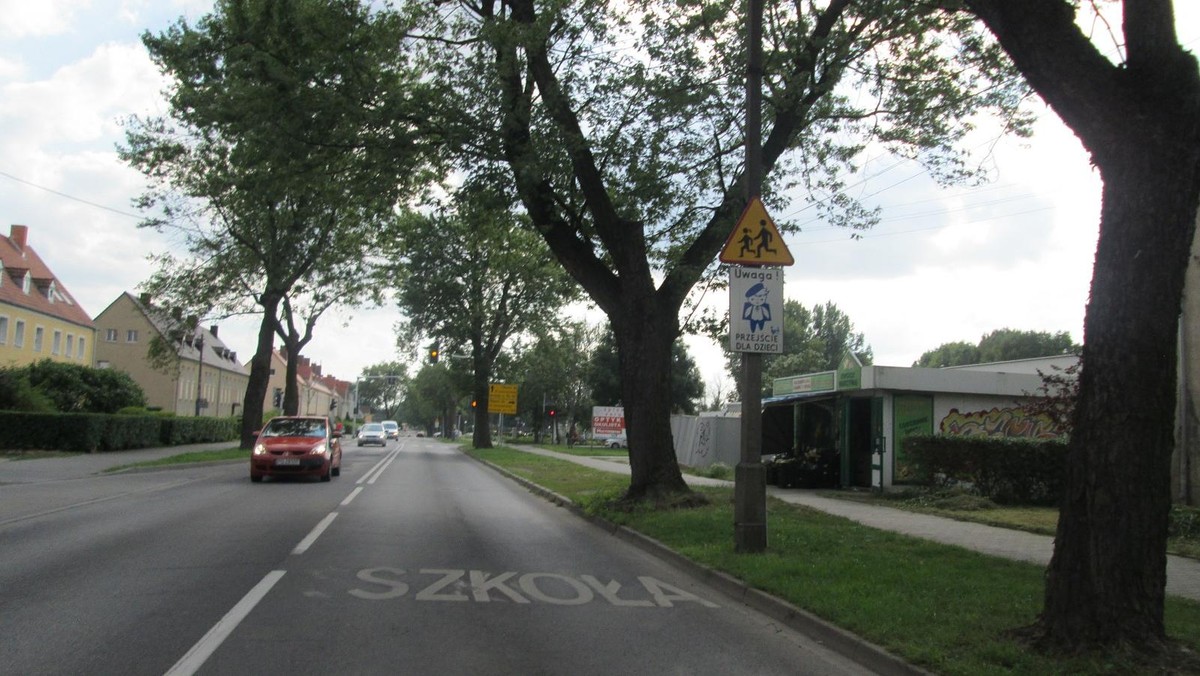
[102, 433]
[1008, 471]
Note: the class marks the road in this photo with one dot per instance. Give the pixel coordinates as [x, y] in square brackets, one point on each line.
[415, 560]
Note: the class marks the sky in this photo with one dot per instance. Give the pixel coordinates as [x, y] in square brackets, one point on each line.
[943, 265]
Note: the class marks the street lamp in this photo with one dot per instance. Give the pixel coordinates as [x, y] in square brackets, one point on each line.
[199, 371]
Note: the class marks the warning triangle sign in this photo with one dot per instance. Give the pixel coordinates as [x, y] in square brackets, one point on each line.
[755, 240]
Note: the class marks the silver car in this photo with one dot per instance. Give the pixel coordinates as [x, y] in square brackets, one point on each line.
[372, 433]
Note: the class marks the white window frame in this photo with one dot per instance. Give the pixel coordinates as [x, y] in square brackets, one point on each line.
[111, 335]
[19, 334]
[131, 336]
[80, 350]
[39, 337]
[3, 330]
[56, 343]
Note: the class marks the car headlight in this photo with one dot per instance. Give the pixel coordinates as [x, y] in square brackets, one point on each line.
[319, 449]
[259, 449]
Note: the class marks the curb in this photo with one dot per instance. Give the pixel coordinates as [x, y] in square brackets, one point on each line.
[843, 642]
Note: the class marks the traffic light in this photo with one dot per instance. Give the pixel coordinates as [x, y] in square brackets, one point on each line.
[433, 353]
[553, 413]
[278, 397]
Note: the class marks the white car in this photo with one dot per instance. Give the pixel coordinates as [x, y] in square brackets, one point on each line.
[616, 442]
[372, 433]
[392, 428]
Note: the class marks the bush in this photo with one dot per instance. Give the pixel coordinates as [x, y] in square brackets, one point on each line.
[98, 432]
[17, 394]
[72, 388]
[1007, 471]
[1185, 522]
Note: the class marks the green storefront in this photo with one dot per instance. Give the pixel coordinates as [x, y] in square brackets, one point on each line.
[860, 415]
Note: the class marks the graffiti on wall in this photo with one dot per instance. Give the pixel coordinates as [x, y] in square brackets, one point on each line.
[998, 422]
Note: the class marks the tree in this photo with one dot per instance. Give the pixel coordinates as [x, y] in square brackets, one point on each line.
[1139, 118]
[958, 353]
[687, 386]
[430, 398]
[1000, 345]
[475, 277]
[554, 371]
[813, 340]
[382, 387]
[290, 134]
[629, 160]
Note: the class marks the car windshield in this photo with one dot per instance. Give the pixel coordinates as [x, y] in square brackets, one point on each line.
[295, 427]
[373, 428]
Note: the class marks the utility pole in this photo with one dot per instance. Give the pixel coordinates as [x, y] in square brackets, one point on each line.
[750, 488]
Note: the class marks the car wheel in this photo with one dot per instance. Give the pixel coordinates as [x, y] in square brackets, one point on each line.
[360, 444]
[256, 478]
[336, 471]
[328, 473]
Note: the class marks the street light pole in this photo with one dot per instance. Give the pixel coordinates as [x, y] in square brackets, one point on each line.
[199, 372]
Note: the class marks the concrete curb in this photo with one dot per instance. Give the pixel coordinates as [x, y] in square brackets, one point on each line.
[845, 643]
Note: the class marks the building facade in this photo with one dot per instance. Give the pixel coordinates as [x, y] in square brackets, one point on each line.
[39, 319]
[194, 373]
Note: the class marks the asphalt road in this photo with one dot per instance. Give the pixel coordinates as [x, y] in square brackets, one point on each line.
[417, 560]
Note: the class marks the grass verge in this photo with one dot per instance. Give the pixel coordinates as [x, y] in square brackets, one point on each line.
[943, 608]
[1040, 520]
[234, 453]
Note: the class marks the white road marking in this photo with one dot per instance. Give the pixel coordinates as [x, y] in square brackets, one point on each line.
[350, 498]
[206, 646]
[316, 533]
[373, 473]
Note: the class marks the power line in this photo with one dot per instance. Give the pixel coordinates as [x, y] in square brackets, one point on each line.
[70, 197]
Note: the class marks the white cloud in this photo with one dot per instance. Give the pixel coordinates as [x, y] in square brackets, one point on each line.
[23, 18]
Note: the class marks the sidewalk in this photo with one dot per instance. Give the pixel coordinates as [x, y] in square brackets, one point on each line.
[1183, 574]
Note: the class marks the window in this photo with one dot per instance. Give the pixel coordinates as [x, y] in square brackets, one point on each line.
[79, 349]
[19, 334]
[26, 283]
[56, 343]
[70, 345]
[3, 330]
[110, 335]
[38, 335]
[131, 336]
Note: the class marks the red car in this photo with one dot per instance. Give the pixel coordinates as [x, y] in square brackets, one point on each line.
[302, 445]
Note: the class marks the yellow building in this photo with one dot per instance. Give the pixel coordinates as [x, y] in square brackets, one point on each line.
[38, 317]
[197, 374]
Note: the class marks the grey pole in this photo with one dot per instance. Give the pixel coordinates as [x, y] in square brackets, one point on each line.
[750, 488]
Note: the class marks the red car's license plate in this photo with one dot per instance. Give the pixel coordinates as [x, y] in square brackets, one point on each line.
[287, 462]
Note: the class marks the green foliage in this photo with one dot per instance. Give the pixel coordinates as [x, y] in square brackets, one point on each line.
[17, 394]
[1185, 522]
[1000, 345]
[67, 388]
[292, 131]
[1007, 471]
[382, 388]
[178, 430]
[100, 433]
[687, 386]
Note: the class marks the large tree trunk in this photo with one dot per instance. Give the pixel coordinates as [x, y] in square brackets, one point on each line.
[1140, 121]
[644, 341]
[260, 372]
[481, 436]
[1106, 580]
